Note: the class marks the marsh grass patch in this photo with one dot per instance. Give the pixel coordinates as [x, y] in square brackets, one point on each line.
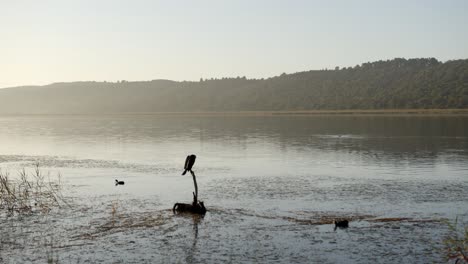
[456, 242]
[30, 192]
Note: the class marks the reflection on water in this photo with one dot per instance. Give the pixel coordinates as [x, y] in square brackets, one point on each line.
[192, 251]
[272, 186]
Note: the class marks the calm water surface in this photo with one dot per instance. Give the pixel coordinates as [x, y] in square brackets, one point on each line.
[271, 184]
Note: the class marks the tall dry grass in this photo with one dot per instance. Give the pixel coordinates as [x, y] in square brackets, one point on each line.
[456, 243]
[30, 192]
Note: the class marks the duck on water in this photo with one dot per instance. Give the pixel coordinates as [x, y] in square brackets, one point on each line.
[341, 224]
[117, 182]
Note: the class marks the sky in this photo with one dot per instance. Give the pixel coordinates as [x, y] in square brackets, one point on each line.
[48, 41]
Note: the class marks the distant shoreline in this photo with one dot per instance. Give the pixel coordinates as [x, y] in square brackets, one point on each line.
[424, 112]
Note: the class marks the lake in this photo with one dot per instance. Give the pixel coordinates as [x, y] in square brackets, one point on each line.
[272, 186]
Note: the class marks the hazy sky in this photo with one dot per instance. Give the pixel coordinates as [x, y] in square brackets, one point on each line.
[50, 41]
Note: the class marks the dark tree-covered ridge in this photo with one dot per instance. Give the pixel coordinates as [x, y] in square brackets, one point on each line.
[392, 84]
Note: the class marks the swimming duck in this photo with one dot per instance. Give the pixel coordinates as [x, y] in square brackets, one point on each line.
[341, 224]
[117, 182]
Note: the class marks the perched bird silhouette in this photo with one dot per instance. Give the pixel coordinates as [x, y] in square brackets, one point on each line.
[189, 161]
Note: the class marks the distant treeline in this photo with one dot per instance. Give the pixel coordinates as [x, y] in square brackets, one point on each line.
[392, 84]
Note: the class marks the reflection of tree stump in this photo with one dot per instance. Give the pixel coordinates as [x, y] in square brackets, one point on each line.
[197, 207]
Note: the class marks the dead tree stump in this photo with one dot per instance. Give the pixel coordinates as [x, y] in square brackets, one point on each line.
[197, 207]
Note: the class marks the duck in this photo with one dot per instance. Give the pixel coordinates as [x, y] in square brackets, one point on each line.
[117, 182]
[341, 224]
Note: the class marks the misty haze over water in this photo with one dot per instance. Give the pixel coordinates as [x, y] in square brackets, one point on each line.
[399, 83]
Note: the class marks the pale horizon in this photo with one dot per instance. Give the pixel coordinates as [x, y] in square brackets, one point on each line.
[53, 41]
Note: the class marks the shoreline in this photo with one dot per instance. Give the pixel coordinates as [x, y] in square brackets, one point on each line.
[380, 112]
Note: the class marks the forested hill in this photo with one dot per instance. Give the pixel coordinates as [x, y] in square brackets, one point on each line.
[398, 83]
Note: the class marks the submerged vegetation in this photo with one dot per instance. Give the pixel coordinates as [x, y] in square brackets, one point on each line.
[73, 234]
[29, 192]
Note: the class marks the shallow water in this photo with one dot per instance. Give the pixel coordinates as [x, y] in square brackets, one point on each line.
[272, 186]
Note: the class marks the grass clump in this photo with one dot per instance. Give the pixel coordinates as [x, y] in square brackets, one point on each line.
[28, 193]
[456, 243]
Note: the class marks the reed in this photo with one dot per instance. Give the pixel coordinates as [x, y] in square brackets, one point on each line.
[456, 243]
[30, 192]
